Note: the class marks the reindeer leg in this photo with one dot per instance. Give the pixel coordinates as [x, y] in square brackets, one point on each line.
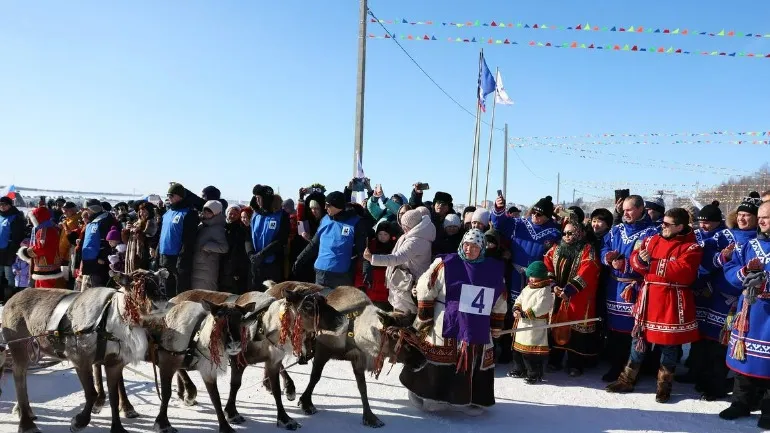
[168, 365]
[266, 380]
[322, 356]
[211, 387]
[284, 420]
[86, 376]
[114, 378]
[288, 385]
[126, 408]
[236, 375]
[184, 382]
[370, 419]
[20, 361]
[101, 397]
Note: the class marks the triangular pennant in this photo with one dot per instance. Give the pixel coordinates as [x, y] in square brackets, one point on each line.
[433, 38]
[526, 26]
[642, 49]
[739, 34]
[476, 23]
[657, 30]
[404, 21]
[721, 33]
[486, 25]
[731, 33]
[473, 40]
[425, 38]
[469, 24]
[631, 29]
[410, 37]
[387, 36]
[596, 28]
[506, 42]
[702, 33]
[570, 28]
[582, 45]
[731, 54]
[531, 43]
[373, 20]
[543, 26]
[579, 27]
[613, 29]
[591, 46]
[534, 26]
[419, 23]
[684, 32]
[625, 47]
[666, 31]
[634, 48]
[639, 29]
[573, 45]
[493, 24]
[518, 25]
[675, 32]
[714, 53]
[466, 40]
[670, 50]
[498, 42]
[430, 23]
[547, 44]
[501, 24]
[661, 50]
[616, 47]
[587, 27]
[678, 51]
[490, 41]
[458, 40]
[621, 29]
[540, 44]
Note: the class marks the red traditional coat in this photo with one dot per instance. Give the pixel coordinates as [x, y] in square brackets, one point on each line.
[665, 309]
[43, 252]
[582, 280]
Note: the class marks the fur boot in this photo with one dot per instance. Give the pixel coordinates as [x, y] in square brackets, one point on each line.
[665, 379]
[626, 380]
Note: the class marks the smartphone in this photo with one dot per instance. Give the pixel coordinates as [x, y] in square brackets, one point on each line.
[621, 194]
[358, 184]
[423, 186]
[499, 192]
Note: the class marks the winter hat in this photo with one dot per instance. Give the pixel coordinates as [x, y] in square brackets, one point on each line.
[231, 207]
[214, 206]
[537, 270]
[751, 203]
[6, 200]
[656, 204]
[315, 204]
[481, 215]
[114, 234]
[211, 193]
[106, 206]
[39, 215]
[604, 215]
[70, 205]
[93, 205]
[544, 206]
[400, 199]
[492, 236]
[265, 192]
[579, 214]
[711, 212]
[288, 203]
[424, 211]
[443, 197]
[452, 220]
[411, 218]
[177, 189]
[513, 209]
[336, 199]
[383, 226]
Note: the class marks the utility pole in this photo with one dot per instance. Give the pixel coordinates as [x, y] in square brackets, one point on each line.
[558, 186]
[505, 163]
[573, 196]
[358, 144]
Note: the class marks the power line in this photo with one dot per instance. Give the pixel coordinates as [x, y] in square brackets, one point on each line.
[393, 38]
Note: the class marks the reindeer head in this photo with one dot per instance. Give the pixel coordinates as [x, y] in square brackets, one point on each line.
[398, 343]
[146, 287]
[228, 326]
[313, 311]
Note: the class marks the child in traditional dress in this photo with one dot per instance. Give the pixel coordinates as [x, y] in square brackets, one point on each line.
[21, 270]
[532, 308]
[118, 257]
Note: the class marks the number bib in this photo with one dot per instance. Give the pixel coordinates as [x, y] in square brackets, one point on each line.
[476, 300]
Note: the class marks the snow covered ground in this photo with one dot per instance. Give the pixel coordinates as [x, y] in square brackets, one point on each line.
[561, 404]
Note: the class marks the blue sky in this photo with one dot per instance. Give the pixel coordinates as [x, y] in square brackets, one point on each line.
[123, 96]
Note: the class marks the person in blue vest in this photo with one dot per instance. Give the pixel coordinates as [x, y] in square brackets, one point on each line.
[623, 281]
[269, 237]
[749, 344]
[176, 246]
[339, 242]
[94, 246]
[11, 235]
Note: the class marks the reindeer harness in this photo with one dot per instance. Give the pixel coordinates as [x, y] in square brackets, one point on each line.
[59, 327]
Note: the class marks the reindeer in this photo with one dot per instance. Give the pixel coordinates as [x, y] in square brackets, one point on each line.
[98, 326]
[276, 328]
[199, 336]
[365, 337]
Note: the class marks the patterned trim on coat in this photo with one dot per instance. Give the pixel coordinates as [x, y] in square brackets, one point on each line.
[671, 329]
[446, 354]
[531, 350]
[543, 233]
[425, 310]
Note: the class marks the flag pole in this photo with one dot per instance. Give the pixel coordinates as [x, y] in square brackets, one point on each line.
[476, 130]
[491, 134]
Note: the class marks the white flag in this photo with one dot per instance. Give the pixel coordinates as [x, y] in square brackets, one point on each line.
[501, 96]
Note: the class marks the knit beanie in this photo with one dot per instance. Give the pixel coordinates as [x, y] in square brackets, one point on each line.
[6, 200]
[481, 215]
[411, 218]
[711, 212]
[424, 211]
[177, 189]
[452, 220]
[336, 199]
[214, 206]
[544, 206]
[537, 270]
[114, 234]
[656, 204]
[231, 207]
[751, 203]
[93, 205]
[579, 214]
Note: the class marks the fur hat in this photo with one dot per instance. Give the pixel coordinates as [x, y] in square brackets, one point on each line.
[114, 234]
[93, 205]
[513, 209]
[656, 204]
[452, 220]
[711, 212]
[69, 205]
[544, 206]
[751, 203]
[443, 197]
[177, 189]
[214, 206]
[211, 193]
[411, 218]
[481, 215]
[336, 199]
[537, 270]
[6, 200]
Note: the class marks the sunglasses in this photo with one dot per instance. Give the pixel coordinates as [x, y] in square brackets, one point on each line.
[665, 224]
[537, 214]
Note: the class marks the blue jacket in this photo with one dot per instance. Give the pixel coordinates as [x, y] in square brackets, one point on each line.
[339, 241]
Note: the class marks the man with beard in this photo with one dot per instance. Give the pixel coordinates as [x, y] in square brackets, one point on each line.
[574, 268]
[665, 309]
[621, 285]
[749, 342]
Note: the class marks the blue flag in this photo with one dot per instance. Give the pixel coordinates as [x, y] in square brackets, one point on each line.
[486, 84]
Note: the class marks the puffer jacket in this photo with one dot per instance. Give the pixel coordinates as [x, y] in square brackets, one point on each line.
[210, 244]
[412, 252]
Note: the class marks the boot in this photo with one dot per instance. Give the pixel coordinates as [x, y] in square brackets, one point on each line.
[735, 411]
[626, 380]
[665, 379]
[611, 375]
